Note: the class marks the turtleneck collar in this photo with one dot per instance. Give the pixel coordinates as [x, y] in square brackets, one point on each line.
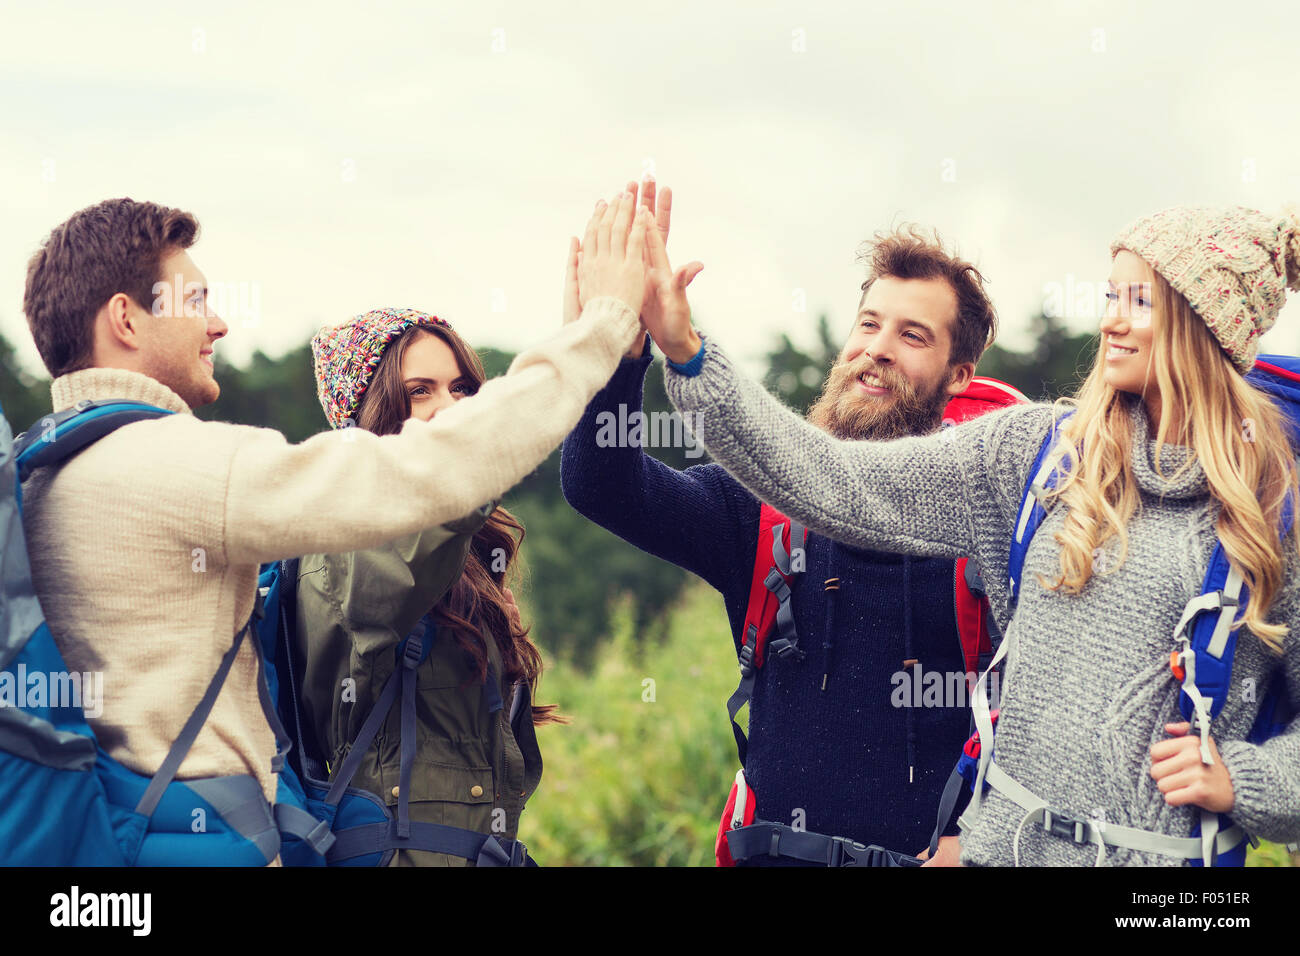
[1192, 483]
[91, 384]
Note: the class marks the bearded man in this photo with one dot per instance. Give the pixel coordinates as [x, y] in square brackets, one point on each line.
[831, 753]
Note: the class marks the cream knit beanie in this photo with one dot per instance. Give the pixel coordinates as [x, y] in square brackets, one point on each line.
[1233, 265]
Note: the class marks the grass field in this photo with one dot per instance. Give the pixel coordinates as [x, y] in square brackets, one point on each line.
[641, 775]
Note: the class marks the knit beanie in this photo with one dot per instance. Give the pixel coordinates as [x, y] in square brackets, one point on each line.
[347, 355]
[1233, 265]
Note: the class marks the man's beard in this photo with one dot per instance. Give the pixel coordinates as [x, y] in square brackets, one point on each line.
[903, 412]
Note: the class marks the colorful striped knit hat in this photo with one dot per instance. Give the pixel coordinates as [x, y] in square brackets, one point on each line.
[1233, 265]
[347, 355]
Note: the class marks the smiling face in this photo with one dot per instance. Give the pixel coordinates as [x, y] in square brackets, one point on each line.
[893, 376]
[1128, 327]
[432, 377]
[177, 332]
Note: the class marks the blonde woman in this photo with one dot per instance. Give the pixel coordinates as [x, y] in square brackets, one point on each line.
[1176, 451]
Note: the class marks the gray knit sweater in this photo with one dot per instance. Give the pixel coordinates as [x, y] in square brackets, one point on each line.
[1089, 689]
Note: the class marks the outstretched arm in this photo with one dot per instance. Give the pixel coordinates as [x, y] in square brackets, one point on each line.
[952, 493]
[927, 495]
[362, 489]
[696, 519]
[916, 495]
[699, 519]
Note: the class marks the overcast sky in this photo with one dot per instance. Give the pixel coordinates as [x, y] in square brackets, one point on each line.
[438, 156]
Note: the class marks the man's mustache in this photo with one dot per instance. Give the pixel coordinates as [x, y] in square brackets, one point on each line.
[848, 372]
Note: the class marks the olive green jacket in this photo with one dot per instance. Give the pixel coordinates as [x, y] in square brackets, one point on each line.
[474, 767]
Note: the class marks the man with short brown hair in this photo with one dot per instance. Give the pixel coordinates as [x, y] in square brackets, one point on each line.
[145, 545]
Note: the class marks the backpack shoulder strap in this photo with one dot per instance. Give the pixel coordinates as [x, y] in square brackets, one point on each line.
[1054, 458]
[1209, 644]
[58, 437]
[970, 601]
[777, 558]
[1205, 630]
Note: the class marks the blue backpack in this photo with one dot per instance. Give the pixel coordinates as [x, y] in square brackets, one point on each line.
[65, 802]
[1202, 662]
[364, 830]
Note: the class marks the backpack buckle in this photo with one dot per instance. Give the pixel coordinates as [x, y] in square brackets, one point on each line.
[1176, 665]
[1066, 825]
[499, 852]
[411, 652]
[519, 854]
[747, 659]
[846, 852]
[786, 649]
[1227, 600]
[974, 579]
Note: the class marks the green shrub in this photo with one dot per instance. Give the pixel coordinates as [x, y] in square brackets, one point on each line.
[641, 775]
[635, 782]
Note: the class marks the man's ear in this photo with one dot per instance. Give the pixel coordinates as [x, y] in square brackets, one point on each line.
[961, 376]
[119, 323]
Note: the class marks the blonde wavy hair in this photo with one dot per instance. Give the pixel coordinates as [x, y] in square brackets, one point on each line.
[1235, 431]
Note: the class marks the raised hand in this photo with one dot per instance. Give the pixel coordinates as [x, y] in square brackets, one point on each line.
[652, 308]
[611, 258]
[669, 319]
[572, 307]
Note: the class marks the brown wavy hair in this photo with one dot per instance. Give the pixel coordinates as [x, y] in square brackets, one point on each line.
[477, 601]
[911, 252]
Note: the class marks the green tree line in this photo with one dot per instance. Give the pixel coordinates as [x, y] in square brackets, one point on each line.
[576, 572]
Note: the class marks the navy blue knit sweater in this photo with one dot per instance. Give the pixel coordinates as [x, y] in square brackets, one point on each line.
[855, 764]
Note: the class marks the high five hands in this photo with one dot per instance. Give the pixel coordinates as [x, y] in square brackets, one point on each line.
[611, 259]
[664, 310]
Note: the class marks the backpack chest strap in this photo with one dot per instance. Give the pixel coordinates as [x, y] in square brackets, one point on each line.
[1212, 841]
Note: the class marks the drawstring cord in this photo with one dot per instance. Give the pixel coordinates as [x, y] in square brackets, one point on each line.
[909, 662]
[828, 634]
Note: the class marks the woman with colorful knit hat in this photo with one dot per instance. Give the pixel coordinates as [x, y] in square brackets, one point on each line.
[1175, 451]
[474, 760]
[415, 671]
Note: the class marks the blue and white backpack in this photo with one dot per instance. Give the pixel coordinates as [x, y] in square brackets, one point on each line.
[1201, 659]
[65, 802]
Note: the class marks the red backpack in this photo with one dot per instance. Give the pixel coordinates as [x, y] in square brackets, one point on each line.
[769, 622]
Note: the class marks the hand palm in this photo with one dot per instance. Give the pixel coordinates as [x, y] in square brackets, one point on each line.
[664, 299]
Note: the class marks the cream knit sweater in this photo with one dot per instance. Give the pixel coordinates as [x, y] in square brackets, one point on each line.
[145, 547]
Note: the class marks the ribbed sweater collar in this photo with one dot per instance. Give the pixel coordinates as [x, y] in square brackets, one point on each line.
[91, 384]
[1192, 483]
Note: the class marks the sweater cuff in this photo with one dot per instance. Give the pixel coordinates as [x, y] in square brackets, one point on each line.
[717, 380]
[609, 308]
[645, 352]
[691, 367]
[1251, 793]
